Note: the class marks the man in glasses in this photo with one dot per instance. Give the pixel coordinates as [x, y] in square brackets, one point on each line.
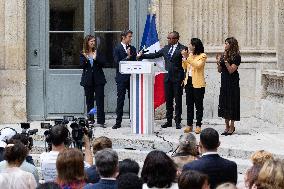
[174, 77]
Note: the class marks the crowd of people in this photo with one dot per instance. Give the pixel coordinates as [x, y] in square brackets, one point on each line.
[191, 166]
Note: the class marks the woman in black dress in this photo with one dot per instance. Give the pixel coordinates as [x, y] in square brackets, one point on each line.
[93, 78]
[229, 98]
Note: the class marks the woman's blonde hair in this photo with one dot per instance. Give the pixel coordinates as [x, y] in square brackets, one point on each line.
[260, 157]
[271, 175]
[86, 44]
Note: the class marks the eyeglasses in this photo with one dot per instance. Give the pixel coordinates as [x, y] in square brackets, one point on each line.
[171, 38]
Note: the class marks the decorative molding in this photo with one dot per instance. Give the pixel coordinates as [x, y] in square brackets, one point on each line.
[273, 85]
[208, 20]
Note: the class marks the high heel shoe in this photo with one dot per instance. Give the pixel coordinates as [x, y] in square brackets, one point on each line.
[225, 133]
[231, 132]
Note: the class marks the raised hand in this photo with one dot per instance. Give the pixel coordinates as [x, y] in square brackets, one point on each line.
[95, 54]
[184, 53]
[218, 58]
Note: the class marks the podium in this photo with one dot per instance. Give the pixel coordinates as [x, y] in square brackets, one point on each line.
[141, 93]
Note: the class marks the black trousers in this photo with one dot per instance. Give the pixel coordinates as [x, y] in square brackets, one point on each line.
[194, 96]
[99, 97]
[173, 90]
[121, 91]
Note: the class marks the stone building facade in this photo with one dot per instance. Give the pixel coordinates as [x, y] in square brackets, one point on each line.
[257, 24]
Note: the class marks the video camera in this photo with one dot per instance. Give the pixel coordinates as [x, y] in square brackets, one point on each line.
[47, 133]
[28, 132]
[80, 127]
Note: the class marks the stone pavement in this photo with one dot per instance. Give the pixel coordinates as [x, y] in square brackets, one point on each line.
[251, 134]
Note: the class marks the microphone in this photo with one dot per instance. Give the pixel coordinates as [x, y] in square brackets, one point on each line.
[127, 46]
[145, 51]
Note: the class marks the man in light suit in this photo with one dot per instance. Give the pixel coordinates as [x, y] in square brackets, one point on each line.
[174, 77]
[218, 169]
[123, 51]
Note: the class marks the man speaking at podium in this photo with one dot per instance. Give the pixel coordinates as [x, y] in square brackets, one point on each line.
[174, 77]
[122, 52]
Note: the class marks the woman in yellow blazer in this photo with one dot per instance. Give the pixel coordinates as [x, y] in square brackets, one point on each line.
[194, 82]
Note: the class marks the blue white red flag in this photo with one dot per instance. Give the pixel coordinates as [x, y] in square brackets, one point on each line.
[150, 42]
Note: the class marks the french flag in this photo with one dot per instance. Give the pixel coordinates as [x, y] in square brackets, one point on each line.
[150, 42]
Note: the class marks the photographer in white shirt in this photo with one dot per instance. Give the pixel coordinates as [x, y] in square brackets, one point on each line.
[59, 138]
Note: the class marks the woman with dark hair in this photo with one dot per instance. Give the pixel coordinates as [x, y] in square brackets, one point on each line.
[13, 177]
[70, 169]
[93, 78]
[229, 98]
[159, 171]
[193, 64]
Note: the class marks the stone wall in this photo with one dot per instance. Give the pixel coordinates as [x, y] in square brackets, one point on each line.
[272, 103]
[252, 22]
[12, 61]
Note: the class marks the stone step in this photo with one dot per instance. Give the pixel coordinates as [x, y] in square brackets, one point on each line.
[142, 143]
[139, 156]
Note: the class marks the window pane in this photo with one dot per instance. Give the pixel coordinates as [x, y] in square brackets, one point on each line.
[66, 15]
[106, 43]
[64, 49]
[111, 15]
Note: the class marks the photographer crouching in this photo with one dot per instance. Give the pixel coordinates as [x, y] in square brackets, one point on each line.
[60, 139]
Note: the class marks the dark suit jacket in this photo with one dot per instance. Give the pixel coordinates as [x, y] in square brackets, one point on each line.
[119, 55]
[173, 65]
[92, 174]
[92, 75]
[218, 169]
[103, 184]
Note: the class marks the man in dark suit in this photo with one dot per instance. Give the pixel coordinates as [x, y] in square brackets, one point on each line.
[123, 51]
[218, 169]
[174, 77]
[106, 161]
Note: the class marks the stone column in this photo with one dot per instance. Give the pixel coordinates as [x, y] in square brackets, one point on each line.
[280, 35]
[12, 61]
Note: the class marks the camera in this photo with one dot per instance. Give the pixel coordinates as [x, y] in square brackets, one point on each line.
[28, 132]
[49, 135]
[80, 127]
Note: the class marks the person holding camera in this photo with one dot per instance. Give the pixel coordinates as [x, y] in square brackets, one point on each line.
[194, 82]
[59, 139]
[229, 98]
[93, 79]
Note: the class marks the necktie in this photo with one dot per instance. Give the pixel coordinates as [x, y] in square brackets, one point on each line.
[170, 52]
